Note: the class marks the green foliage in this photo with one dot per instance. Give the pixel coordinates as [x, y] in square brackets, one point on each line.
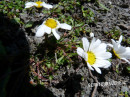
[128, 41]
[57, 54]
[124, 94]
[12, 7]
[29, 24]
[114, 33]
[88, 15]
[103, 6]
[16, 20]
[128, 69]
[60, 60]
[117, 68]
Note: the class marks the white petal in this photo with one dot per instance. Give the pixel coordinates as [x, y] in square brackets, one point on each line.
[103, 55]
[100, 48]
[80, 52]
[40, 31]
[126, 54]
[91, 44]
[95, 44]
[85, 56]
[48, 6]
[89, 66]
[127, 49]
[85, 44]
[47, 30]
[65, 26]
[120, 50]
[110, 45]
[108, 65]
[98, 70]
[102, 63]
[115, 45]
[56, 34]
[126, 60]
[29, 4]
[120, 39]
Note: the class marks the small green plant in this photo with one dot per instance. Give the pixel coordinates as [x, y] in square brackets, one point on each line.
[101, 5]
[128, 69]
[117, 68]
[114, 33]
[87, 14]
[124, 94]
[128, 41]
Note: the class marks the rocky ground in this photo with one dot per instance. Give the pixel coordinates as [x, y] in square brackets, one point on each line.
[109, 20]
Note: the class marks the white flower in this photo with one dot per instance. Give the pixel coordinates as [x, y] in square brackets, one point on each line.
[51, 25]
[94, 54]
[38, 4]
[91, 34]
[120, 51]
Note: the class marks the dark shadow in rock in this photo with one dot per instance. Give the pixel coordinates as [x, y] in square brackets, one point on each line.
[101, 77]
[14, 62]
[53, 1]
[92, 24]
[87, 1]
[47, 47]
[124, 71]
[34, 24]
[71, 84]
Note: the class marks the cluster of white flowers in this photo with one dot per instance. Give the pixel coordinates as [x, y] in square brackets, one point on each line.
[95, 53]
[49, 25]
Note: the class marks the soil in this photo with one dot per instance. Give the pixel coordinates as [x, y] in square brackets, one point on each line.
[73, 81]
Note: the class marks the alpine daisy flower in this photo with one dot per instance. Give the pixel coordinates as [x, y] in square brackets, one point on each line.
[51, 25]
[120, 51]
[94, 54]
[38, 4]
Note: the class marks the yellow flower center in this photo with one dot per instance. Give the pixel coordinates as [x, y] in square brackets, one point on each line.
[39, 4]
[91, 58]
[117, 55]
[51, 23]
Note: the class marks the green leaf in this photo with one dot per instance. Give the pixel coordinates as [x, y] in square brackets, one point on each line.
[17, 20]
[29, 24]
[128, 69]
[48, 64]
[50, 77]
[117, 68]
[100, 4]
[126, 94]
[60, 60]
[79, 25]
